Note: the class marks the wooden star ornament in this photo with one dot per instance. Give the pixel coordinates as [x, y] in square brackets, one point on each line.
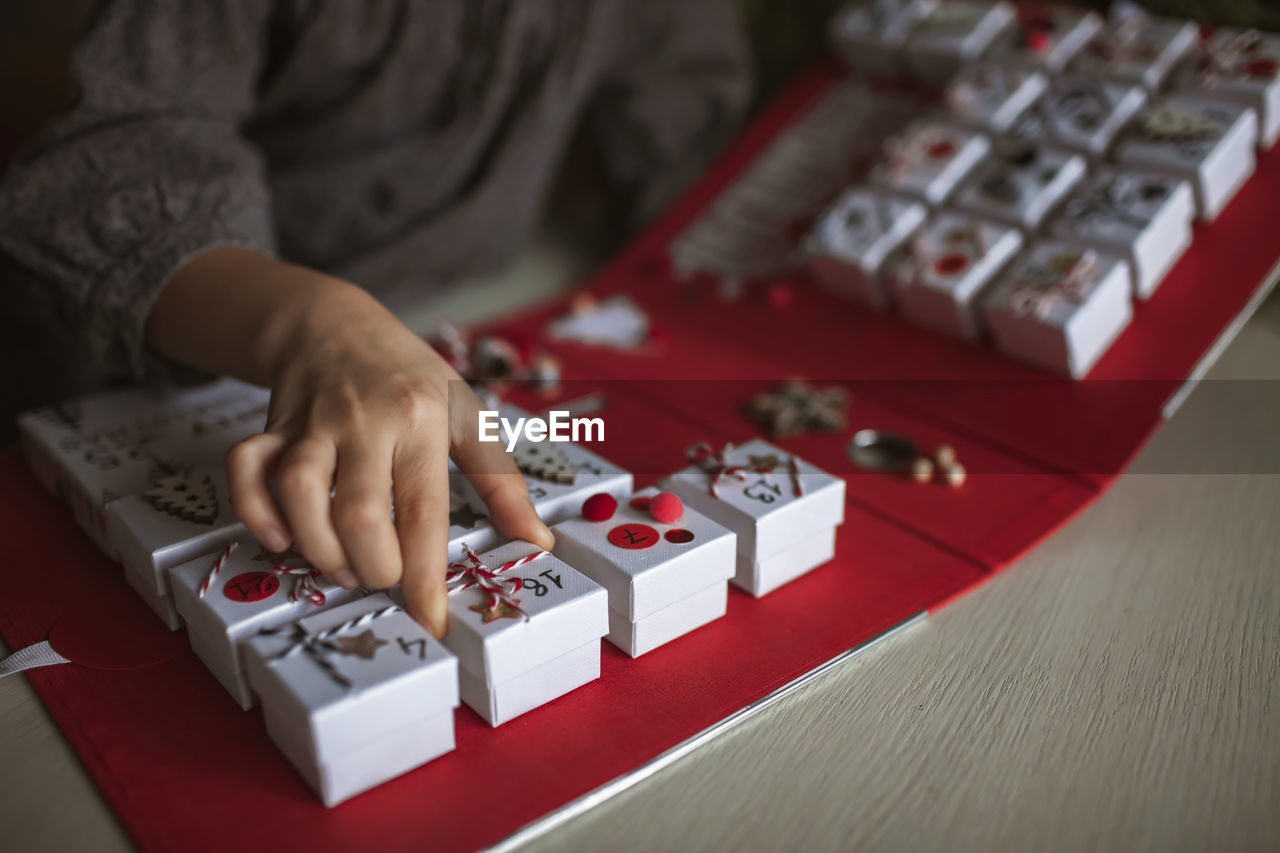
[500, 610]
[364, 645]
[277, 558]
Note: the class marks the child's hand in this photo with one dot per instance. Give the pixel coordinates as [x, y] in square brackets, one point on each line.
[360, 406]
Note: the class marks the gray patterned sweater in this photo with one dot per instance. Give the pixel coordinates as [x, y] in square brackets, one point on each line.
[392, 142]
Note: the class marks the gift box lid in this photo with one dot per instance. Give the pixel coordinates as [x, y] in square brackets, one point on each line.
[645, 564]
[762, 507]
[929, 156]
[1021, 179]
[248, 592]
[1177, 130]
[179, 517]
[353, 673]
[564, 608]
[1116, 206]
[957, 253]
[864, 225]
[1137, 46]
[1051, 280]
[993, 93]
[1050, 35]
[116, 443]
[1237, 60]
[968, 26]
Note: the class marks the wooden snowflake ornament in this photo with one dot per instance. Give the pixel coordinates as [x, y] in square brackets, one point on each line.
[186, 496]
[796, 407]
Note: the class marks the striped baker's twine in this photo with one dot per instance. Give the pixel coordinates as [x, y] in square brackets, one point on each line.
[306, 583]
[213, 571]
[317, 646]
[716, 465]
[471, 571]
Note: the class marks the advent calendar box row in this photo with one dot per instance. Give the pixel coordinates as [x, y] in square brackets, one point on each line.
[107, 446]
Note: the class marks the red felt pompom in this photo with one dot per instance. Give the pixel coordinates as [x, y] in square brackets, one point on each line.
[599, 507]
[666, 508]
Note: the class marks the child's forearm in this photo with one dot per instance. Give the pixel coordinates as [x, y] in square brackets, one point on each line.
[239, 313]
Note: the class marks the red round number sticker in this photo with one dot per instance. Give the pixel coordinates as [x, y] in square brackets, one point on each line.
[251, 586]
[633, 537]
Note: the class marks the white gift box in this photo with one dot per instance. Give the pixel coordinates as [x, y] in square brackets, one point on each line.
[764, 510]
[1210, 144]
[956, 255]
[1021, 182]
[849, 244]
[1137, 48]
[567, 614]
[244, 596]
[1059, 306]
[929, 158]
[102, 447]
[1241, 66]
[953, 33]
[1049, 36]
[1081, 113]
[182, 516]
[553, 500]
[652, 570]
[1142, 217]
[355, 696]
[991, 96]
[870, 36]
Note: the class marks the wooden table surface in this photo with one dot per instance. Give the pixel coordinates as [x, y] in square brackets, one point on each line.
[1117, 689]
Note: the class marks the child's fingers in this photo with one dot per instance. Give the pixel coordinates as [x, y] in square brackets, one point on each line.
[305, 478]
[500, 485]
[422, 522]
[249, 464]
[362, 511]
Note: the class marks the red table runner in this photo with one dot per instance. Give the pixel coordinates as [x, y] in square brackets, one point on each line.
[185, 768]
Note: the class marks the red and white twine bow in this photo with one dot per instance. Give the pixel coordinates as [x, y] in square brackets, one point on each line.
[306, 583]
[471, 571]
[213, 571]
[1071, 287]
[1229, 58]
[717, 467]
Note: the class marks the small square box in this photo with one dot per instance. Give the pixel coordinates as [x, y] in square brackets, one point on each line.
[783, 510]
[554, 498]
[1142, 217]
[1212, 145]
[245, 595]
[99, 448]
[1021, 182]
[1059, 306]
[510, 664]
[849, 243]
[1243, 67]
[870, 37]
[992, 96]
[355, 696]
[1081, 113]
[956, 255]
[652, 570]
[953, 33]
[1137, 48]
[1049, 36]
[929, 158]
[181, 516]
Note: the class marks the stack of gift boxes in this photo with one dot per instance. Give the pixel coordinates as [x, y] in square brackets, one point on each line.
[1060, 133]
[353, 691]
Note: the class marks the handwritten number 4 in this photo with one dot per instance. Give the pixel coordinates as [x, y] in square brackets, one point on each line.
[406, 645]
